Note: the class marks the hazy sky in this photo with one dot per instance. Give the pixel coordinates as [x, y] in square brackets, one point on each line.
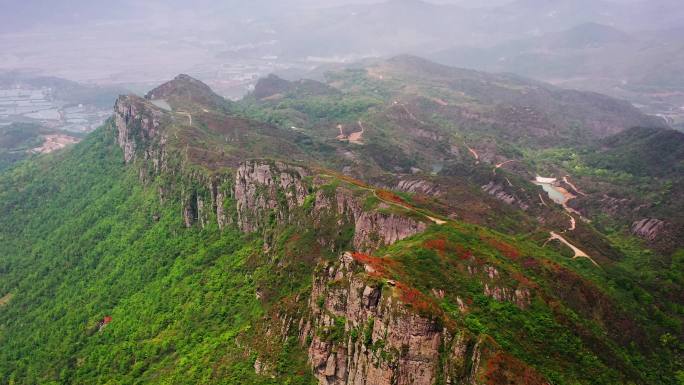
[20, 14]
[120, 40]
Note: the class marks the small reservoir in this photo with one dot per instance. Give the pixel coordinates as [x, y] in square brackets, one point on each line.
[554, 193]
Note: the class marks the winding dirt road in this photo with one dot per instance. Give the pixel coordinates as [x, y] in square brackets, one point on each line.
[406, 207]
[354, 137]
[541, 198]
[567, 180]
[357, 137]
[567, 197]
[187, 114]
[475, 154]
[569, 211]
[573, 223]
[578, 253]
[397, 204]
[499, 165]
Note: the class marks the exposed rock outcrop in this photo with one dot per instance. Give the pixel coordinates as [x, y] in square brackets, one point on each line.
[270, 192]
[496, 287]
[140, 135]
[207, 198]
[499, 192]
[373, 228]
[419, 186]
[264, 192]
[267, 191]
[361, 332]
[520, 297]
[376, 339]
[612, 205]
[648, 228]
[138, 126]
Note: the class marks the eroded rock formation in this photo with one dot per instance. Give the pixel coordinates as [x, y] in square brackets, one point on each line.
[371, 338]
[360, 332]
[499, 192]
[419, 186]
[648, 228]
[266, 191]
[137, 127]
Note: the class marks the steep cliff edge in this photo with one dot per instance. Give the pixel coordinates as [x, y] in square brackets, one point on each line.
[139, 127]
[259, 193]
[267, 191]
[272, 192]
[452, 305]
[362, 329]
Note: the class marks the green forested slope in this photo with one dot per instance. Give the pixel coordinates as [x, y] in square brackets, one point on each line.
[16, 140]
[80, 241]
[84, 239]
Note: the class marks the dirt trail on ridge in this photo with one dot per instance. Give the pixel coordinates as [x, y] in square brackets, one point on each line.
[187, 114]
[475, 154]
[567, 180]
[357, 137]
[578, 253]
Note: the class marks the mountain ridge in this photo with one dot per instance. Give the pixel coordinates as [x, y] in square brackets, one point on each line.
[184, 91]
[218, 256]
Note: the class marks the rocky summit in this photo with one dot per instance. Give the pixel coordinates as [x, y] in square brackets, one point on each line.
[400, 222]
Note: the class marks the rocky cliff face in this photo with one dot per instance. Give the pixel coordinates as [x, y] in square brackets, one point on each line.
[265, 192]
[141, 135]
[419, 186]
[138, 126]
[207, 198]
[362, 331]
[495, 287]
[268, 191]
[357, 327]
[499, 192]
[373, 228]
[648, 228]
[362, 334]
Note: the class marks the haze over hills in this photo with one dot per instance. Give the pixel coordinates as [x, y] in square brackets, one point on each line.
[642, 67]
[231, 44]
[417, 26]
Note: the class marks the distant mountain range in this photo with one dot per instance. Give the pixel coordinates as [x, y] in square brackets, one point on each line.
[646, 68]
[400, 26]
[587, 50]
[67, 91]
[624, 49]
